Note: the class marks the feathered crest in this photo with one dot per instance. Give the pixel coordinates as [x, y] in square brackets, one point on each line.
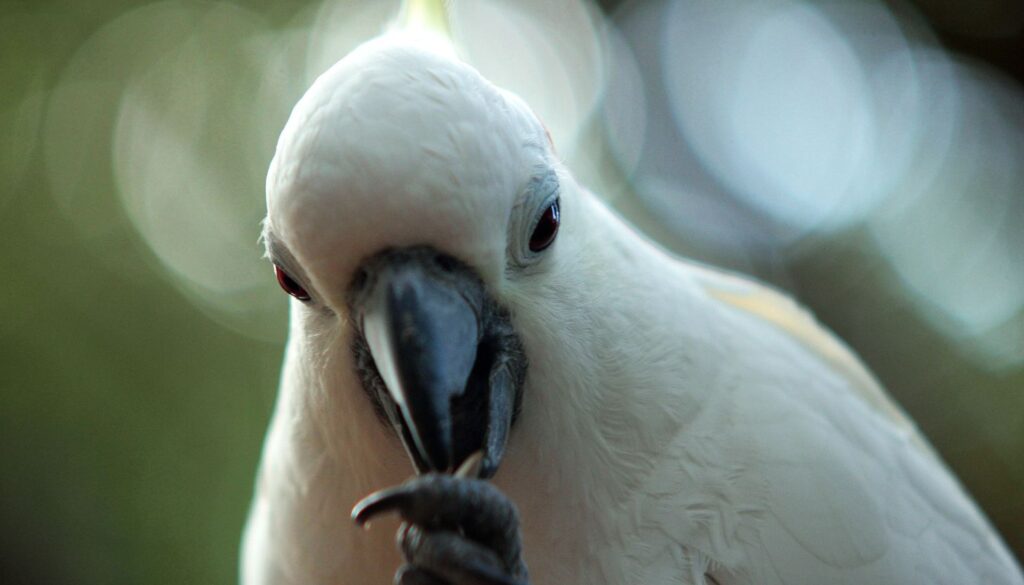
[426, 15]
[429, 21]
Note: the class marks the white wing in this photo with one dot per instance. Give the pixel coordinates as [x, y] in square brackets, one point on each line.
[801, 470]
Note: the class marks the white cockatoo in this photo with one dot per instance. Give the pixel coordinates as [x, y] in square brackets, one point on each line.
[461, 299]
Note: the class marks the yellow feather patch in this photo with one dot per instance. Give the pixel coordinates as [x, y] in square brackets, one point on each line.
[784, 314]
[425, 15]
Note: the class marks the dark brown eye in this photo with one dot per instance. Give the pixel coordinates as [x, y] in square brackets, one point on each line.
[289, 285]
[547, 228]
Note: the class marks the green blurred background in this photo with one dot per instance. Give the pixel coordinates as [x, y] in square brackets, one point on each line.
[142, 334]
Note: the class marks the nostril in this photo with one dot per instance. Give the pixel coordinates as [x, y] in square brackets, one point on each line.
[446, 262]
[359, 280]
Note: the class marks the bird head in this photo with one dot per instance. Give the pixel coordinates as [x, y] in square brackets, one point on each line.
[412, 206]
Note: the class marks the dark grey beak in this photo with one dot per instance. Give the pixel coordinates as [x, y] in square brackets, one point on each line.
[430, 330]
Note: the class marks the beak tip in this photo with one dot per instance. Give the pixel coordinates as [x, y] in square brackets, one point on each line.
[487, 469]
[432, 437]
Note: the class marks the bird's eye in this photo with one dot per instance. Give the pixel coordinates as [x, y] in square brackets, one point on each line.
[547, 228]
[289, 285]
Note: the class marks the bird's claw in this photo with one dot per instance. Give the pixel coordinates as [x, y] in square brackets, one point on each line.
[457, 531]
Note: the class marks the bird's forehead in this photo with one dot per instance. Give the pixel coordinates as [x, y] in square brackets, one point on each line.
[393, 146]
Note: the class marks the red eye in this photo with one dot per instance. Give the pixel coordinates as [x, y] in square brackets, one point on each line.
[289, 285]
[547, 228]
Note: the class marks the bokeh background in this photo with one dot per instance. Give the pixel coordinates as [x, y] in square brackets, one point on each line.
[867, 156]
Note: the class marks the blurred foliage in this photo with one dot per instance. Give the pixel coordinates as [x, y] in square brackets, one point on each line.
[130, 423]
[132, 412]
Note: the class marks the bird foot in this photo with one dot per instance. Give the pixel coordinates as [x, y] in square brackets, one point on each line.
[456, 531]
